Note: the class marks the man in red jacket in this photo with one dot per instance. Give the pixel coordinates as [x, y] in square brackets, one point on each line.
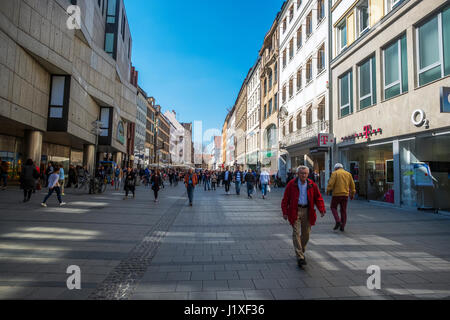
[300, 196]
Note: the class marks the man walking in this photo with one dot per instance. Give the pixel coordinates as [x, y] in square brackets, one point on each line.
[190, 181]
[300, 196]
[227, 180]
[250, 179]
[238, 178]
[342, 186]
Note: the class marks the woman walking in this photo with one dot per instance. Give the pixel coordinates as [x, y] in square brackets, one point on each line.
[53, 186]
[156, 183]
[190, 181]
[214, 180]
[130, 183]
[28, 179]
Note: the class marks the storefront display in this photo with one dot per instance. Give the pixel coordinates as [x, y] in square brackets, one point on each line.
[11, 151]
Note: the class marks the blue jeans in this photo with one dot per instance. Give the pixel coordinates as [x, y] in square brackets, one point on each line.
[264, 189]
[238, 187]
[4, 179]
[190, 192]
[207, 185]
[249, 188]
[50, 192]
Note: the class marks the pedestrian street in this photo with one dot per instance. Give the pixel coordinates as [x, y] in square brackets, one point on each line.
[224, 247]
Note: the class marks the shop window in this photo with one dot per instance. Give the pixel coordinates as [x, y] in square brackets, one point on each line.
[395, 68]
[346, 94]
[367, 83]
[433, 39]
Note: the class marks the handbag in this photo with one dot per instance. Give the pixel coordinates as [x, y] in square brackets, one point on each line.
[268, 188]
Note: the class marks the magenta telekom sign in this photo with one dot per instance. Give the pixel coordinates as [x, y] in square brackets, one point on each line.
[368, 131]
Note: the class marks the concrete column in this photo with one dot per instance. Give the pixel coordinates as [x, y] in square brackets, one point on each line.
[118, 157]
[88, 157]
[33, 146]
[327, 167]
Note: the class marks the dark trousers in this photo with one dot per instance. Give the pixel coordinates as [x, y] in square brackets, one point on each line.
[27, 194]
[50, 192]
[190, 192]
[249, 188]
[227, 186]
[213, 185]
[127, 190]
[155, 192]
[342, 201]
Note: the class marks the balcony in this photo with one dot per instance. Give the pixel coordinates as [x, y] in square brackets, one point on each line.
[305, 134]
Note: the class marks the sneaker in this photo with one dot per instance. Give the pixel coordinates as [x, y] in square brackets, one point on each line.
[342, 228]
[301, 262]
[338, 224]
[62, 204]
[44, 205]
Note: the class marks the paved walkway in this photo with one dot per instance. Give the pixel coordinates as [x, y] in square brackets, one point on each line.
[224, 247]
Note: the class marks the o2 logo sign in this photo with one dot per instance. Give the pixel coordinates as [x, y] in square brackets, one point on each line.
[74, 20]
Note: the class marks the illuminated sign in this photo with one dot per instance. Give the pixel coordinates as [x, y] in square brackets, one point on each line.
[366, 134]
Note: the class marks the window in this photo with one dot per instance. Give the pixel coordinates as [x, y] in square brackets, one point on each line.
[299, 38]
[299, 79]
[57, 97]
[291, 49]
[104, 119]
[309, 25]
[367, 83]
[291, 13]
[123, 25]
[284, 58]
[321, 110]
[270, 79]
[284, 94]
[284, 131]
[270, 107]
[265, 111]
[342, 36]
[109, 43]
[129, 48]
[99, 3]
[321, 59]
[265, 87]
[363, 16]
[320, 10]
[284, 25]
[309, 116]
[291, 88]
[276, 71]
[299, 121]
[395, 68]
[291, 126]
[275, 102]
[299, 3]
[433, 38]
[346, 94]
[391, 4]
[309, 71]
[111, 12]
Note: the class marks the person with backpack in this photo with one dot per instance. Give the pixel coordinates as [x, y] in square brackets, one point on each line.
[155, 181]
[28, 178]
[190, 181]
[53, 186]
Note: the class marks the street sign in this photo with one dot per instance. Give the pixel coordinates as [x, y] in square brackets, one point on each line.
[326, 139]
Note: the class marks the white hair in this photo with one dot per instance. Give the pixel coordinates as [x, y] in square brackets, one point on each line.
[301, 168]
[338, 166]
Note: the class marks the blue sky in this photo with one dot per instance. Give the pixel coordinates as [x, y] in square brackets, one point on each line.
[193, 56]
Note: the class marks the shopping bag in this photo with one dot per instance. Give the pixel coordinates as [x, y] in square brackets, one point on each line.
[268, 188]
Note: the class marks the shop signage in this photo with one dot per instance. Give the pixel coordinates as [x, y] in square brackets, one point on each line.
[121, 132]
[368, 131]
[422, 175]
[326, 139]
[445, 99]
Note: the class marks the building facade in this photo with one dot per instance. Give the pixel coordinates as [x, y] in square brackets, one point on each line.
[141, 129]
[241, 125]
[304, 78]
[150, 131]
[59, 78]
[253, 134]
[269, 53]
[162, 147]
[188, 159]
[390, 99]
[177, 136]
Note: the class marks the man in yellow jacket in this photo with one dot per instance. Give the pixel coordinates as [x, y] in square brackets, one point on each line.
[342, 185]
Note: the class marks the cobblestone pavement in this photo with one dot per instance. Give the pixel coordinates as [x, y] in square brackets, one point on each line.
[224, 247]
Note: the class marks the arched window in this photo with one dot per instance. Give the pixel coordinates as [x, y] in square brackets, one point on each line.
[299, 121]
[309, 116]
[321, 110]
